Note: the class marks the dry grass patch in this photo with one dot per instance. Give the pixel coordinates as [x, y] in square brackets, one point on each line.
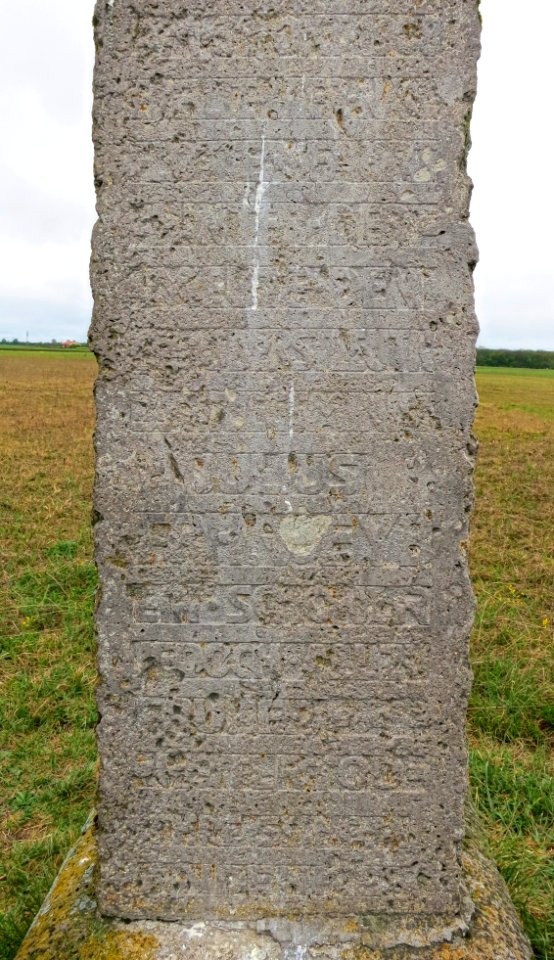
[512, 704]
[47, 754]
[47, 751]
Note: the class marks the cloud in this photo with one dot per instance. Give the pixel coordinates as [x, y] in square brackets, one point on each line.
[47, 199]
[46, 192]
[511, 164]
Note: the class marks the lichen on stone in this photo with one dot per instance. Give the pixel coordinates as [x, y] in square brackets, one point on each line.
[68, 927]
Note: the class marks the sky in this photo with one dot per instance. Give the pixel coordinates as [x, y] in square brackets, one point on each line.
[47, 198]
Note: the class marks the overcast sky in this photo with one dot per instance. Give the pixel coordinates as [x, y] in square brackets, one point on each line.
[47, 201]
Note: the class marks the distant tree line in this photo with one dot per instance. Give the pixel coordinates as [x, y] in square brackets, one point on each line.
[534, 359]
[40, 344]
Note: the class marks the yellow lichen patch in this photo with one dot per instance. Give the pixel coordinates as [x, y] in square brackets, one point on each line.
[361, 953]
[67, 926]
[119, 946]
[60, 910]
[446, 951]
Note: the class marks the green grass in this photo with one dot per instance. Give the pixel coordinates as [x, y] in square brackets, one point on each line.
[47, 751]
[515, 800]
[33, 348]
[47, 715]
[512, 704]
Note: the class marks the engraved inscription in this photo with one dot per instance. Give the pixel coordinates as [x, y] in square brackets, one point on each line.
[285, 330]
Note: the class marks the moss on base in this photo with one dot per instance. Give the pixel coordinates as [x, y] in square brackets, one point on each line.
[68, 927]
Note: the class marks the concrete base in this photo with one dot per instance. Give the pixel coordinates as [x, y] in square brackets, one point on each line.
[69, 928]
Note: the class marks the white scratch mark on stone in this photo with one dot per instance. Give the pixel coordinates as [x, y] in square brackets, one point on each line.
[296, 953]
[110, 3]
[284, 490]
[255, 284]
[291, 413]
[196, 931]
[258, 207]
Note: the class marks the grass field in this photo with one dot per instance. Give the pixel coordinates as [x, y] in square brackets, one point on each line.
[44, 348]
[47, 753]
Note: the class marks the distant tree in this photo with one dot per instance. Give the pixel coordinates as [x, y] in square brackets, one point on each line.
[3, 340]
[15, 340]
[531, 359]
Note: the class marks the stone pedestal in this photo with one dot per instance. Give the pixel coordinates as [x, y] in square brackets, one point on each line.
[69, 928]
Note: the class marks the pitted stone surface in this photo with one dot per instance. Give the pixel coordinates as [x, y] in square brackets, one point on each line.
[68, 928]
[285, 329]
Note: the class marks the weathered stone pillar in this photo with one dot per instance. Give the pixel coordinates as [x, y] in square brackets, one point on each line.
[285, 329]
[284, 323]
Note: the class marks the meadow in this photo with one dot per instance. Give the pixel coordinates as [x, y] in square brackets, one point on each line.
[47, 714]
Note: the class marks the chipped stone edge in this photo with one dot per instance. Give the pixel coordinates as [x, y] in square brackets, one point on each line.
[68, 926]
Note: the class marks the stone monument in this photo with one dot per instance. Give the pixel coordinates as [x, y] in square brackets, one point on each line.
[285, 329]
